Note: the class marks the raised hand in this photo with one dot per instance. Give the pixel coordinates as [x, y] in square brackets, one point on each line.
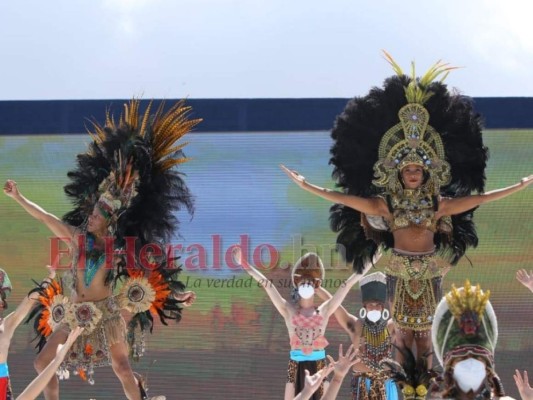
[345, 362]
[51, 271]
[10, 188]
[236, 254]
[294, 175]
[377, 256]
[527, 180]
[313, 382]
[72, 336]
[188, 298]
[525, 278]
[522, 383]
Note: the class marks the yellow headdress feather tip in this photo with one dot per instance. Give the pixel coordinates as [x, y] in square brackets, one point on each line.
[416, 91]
[467, 298]
[393, 63]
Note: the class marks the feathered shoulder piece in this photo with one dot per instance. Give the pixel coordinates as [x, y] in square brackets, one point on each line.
[407, 120]
[413, 375]
[50, 310]
[128, 172]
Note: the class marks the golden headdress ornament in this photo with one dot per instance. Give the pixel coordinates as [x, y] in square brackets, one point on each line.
[464, 324]
[413, 140]
[468, 298]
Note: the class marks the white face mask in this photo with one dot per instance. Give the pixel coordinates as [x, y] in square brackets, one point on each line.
[373, 316]
[469, 374]
[306, 290]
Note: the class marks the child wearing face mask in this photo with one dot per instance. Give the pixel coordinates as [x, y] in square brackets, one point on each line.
[372, 334]
[464, 335]
[306, 322]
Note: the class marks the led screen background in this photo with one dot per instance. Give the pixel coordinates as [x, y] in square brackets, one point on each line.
[232, 344]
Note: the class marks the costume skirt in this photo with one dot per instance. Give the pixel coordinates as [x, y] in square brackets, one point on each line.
[369, 386]
[414, 288]
[296, 375]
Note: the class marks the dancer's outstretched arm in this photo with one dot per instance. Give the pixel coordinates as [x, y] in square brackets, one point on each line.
[525, 278]
[522, 383]
[188, 298]
[328, 307]
[279, 302]
[38, 384]
[370, 206]
[344, 318]
[58, 227]
[458, 205]
[342, 366]
[13, 320]
[313, 382]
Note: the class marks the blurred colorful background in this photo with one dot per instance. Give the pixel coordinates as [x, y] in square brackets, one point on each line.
[231, 343]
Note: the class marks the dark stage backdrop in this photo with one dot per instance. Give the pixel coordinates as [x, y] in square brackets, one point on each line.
[232, 344]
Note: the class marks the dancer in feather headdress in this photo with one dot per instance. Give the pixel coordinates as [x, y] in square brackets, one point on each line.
[408, 156]
[413, 376]
[464, 334]
[125, 191]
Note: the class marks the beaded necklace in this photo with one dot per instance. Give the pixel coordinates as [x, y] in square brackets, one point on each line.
[377, 343]
[414, 208]
[94, 258]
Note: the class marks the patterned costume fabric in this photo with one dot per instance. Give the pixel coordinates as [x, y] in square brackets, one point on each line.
[296, 375]
[374, 345]
[414, 287]
[409, 120]
[466, 327]
[373, 386]
[307, 349]
[308, 333]
[129, 174]
[104, 327]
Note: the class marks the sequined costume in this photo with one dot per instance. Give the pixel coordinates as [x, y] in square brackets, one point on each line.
[129, 177]
[375, 345]
[411, 123]
[104, 327]
[409, 120]
[307, 350]
[415, 208]
[414, 288]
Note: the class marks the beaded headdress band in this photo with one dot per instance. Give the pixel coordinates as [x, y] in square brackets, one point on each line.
[374, 287]
[413, 141]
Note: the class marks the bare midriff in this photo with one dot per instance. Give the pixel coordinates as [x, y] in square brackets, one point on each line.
[414, 239]
[96, 291]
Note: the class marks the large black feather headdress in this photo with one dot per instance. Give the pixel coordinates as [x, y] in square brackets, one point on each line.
[357, 135]
[127, 170]
[129, 173]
